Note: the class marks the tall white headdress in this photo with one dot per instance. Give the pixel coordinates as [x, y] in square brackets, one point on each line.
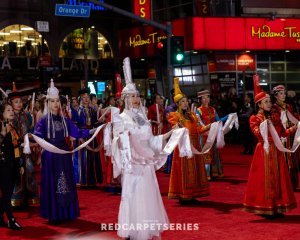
[130, 86]
[52, 91]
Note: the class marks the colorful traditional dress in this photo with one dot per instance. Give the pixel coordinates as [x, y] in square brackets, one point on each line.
[89, 164]
[141, 202]
[290, 158]
[269, 189]
[59, 201]
[110, 183]
[153, 117]
[188, 178]
[213, 161]
[26, 188]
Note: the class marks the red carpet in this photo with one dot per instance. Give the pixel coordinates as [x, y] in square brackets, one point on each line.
[219, 216]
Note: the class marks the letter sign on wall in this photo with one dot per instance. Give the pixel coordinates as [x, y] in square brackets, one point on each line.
[142, 8]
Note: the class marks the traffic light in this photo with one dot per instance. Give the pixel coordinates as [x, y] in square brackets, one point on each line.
[177, 50]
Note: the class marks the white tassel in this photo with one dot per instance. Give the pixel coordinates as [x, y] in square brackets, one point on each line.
[26, 149]
[220, 136]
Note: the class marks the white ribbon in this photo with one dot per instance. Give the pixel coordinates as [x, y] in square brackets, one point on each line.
[267, 124]
[107, 139]
[263, 128]
[51, 148]
[231, 120]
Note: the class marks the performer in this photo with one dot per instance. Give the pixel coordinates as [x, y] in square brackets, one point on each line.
[171, 108]
[59, 201]
[74, 109]
[208, 114]
[269, 190]
[188, 179]
[157, 116]
[136, 157]
[111, 184]
[281, 109]
[10, 164]
[89, 165]
[26, 189]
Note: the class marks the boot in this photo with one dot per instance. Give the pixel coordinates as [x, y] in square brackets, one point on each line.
[2, 222]
[13, 224]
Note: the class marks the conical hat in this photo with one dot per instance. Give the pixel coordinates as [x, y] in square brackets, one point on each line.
[52, 91]
[14, 93]
[130, 86]
[259, 94]
[178, 95]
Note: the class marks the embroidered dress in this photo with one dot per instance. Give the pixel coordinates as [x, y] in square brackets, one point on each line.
[141, 202]
[269, 189]
[59, 201]
[188, 178]
[89, 164]
[26, 188]
[213, 161]
[290, 158]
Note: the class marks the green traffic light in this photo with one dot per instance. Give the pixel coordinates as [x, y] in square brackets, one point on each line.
[179, 57]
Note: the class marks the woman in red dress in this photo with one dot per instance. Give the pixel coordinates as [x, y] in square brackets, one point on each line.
[269, 190]
[281, 108]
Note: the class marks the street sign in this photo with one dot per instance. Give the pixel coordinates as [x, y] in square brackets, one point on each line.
[42, 26]
[72, 10]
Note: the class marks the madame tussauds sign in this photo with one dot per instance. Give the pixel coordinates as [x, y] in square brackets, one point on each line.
[266, 32]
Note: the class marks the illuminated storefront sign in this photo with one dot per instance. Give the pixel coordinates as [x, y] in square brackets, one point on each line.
[266, 32]
[142, 8]
[138, 40]
[211, 33]
[83, 3]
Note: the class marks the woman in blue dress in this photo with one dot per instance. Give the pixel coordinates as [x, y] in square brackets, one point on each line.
[58, 195]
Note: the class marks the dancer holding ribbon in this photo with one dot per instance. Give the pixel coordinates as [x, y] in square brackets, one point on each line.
[136, 155]
[188, 178]
[59, 201]
[269, 190]
[285, 113]
[208, 114]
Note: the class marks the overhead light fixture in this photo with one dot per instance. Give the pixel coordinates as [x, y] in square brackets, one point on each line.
[26, 29]
[247, 51]
[287, 50]
[4, 34]
[15, 31]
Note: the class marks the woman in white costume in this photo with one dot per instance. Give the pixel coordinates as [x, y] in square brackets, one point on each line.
[136, 157]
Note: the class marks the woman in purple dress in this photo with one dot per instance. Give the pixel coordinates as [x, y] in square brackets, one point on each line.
[58, 195]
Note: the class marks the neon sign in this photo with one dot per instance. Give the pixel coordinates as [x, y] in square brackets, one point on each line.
[137, 40]
[142, 8]
[266, 32]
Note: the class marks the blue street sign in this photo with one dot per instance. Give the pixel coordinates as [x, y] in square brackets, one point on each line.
[72, 11]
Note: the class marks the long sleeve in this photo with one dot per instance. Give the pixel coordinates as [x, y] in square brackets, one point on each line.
[40, 128]
[254, 125]
[75, 132]
[173, 119]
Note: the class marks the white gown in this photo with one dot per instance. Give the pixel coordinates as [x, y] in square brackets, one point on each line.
[135, 156]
